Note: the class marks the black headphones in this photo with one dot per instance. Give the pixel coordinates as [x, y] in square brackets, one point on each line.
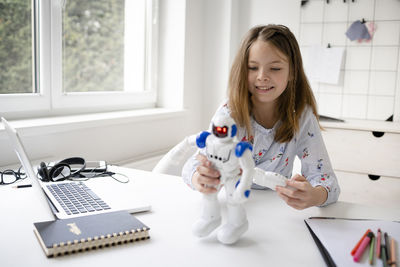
[61, 170]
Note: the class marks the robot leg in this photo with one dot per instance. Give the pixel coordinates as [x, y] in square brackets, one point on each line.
[210, 216]
[237, 223]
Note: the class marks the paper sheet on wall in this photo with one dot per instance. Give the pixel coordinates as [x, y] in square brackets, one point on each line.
[323, 64]
[339, 236]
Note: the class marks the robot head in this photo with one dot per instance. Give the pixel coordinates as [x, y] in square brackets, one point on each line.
[223, 127]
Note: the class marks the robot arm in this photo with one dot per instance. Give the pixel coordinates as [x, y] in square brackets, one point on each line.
[242, 191]
[201, 139]
[269, 179]
[172, 162]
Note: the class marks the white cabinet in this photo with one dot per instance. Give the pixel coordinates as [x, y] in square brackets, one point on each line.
[366, 158]
[367, 147]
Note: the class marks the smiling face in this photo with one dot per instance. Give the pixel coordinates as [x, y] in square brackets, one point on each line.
[268, 73]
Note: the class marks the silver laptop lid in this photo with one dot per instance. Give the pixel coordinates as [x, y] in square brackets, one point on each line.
[23, 158]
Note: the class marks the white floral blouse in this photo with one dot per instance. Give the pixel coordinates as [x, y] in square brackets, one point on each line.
[272, 156]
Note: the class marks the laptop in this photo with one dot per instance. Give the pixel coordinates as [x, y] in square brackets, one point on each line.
[69, 199]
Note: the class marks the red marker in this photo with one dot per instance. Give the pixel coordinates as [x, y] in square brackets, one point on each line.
[359, 242]
[362, 247]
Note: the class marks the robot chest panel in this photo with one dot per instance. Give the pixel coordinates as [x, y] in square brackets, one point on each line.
[221, 156]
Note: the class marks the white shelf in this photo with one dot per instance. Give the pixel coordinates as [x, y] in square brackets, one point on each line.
[364, 125]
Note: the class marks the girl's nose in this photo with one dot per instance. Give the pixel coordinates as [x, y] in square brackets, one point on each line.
[262, 76]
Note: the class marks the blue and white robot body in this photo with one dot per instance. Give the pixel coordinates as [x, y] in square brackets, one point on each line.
[226, 153]
[234, 161]
[222, 156]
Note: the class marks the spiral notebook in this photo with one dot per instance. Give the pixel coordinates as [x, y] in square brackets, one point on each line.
[61, 237]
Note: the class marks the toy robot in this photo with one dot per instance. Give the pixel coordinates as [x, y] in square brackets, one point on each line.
[234, 161]
[235, 164]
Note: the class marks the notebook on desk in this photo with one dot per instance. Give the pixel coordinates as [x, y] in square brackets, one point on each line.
[62, 196]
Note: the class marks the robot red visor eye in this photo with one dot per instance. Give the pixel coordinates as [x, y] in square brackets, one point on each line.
[220, 131]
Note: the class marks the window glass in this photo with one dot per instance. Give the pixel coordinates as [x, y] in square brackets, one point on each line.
[70, 56]
[98, 37]
[16, 74]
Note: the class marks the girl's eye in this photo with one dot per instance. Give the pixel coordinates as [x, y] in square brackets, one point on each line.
[252, 68]
[275, 69]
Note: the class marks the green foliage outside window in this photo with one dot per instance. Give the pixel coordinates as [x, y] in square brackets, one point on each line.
[93, 46]
[15, 46]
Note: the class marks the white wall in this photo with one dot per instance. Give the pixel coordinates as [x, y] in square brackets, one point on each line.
[369, 86]
[255, 12]
[217, 33]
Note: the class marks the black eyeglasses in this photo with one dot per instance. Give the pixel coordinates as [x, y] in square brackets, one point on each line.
[11, 176]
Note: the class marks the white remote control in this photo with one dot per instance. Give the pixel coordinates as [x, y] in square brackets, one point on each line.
[269, 179]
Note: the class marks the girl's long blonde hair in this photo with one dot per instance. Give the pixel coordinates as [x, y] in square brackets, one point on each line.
[291, 102]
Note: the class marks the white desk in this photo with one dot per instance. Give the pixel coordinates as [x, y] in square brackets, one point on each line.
[277, 235]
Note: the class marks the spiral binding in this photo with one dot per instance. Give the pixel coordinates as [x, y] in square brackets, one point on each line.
[98, 242]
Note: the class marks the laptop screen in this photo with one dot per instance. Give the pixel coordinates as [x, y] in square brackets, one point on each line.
[23, 158]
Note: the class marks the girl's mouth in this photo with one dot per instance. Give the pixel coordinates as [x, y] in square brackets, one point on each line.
[265, 88]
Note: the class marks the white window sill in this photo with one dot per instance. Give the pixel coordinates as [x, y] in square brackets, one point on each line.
[48, 125]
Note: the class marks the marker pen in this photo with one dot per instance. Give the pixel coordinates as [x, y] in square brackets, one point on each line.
[371, 251]
[362, 247]
[22, 186]
[387, 248]
[359, 242]
[378, 244]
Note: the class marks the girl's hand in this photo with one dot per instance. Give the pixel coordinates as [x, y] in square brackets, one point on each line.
[205, 179]
[305, 196]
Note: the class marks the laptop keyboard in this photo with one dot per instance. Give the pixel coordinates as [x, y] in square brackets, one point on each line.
[77, 198]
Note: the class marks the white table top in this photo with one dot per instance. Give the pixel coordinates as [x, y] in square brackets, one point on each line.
[277, 235]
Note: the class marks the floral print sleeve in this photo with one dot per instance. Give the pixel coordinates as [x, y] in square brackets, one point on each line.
[315, 163]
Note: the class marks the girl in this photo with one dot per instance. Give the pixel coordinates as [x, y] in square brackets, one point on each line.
[271, 101]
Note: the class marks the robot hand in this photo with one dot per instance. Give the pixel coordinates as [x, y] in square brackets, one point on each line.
[269, 179]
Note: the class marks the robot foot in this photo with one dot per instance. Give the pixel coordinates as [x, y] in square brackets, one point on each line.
[204, 227]
[229, 233]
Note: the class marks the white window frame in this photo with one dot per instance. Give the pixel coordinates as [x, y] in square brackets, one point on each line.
[14, 105]
[48, 75]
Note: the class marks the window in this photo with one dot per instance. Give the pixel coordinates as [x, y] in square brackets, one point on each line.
[73, 56]
[93, 45]
[16, 47]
